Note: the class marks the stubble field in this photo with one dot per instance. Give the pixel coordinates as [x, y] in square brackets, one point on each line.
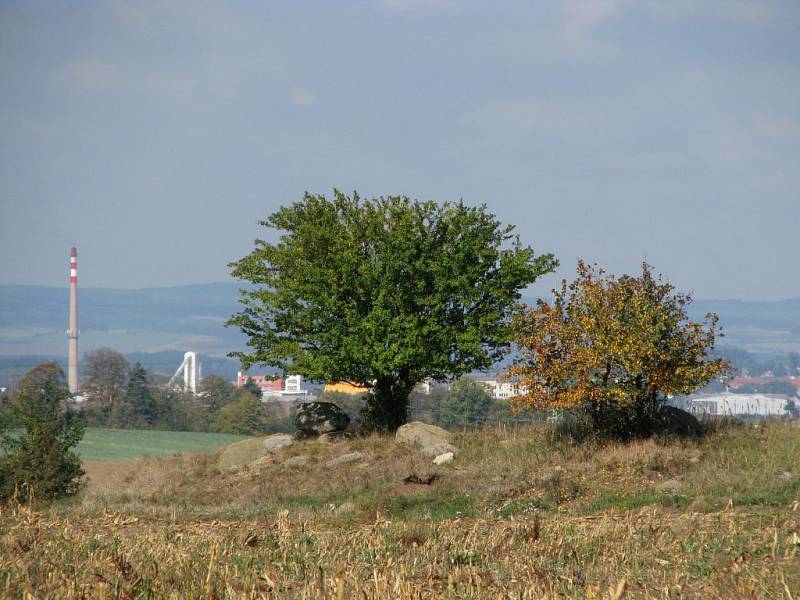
[517, 515]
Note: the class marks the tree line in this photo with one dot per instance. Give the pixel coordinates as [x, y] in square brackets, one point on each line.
[125, 396]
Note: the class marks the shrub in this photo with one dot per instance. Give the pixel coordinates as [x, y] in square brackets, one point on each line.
[38, 463]
[613, 349]
[466, 404]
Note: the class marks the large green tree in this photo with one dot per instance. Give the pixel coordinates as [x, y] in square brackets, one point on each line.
[36, 460]
[382, 293]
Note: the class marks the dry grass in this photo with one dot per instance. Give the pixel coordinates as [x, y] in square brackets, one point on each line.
[513, 517]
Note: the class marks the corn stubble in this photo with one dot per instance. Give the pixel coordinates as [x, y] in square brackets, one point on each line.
[593, 543]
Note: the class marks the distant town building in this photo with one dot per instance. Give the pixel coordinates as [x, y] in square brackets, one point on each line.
[730, 404]
[502, 390]
[264, 382]
[742, 381]
[290, 388]
[344, 387]
[423, 387]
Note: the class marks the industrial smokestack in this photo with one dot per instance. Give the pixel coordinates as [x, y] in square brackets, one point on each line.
[72, 332]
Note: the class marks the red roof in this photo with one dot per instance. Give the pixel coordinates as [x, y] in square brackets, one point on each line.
[740, 381]
[262, 381]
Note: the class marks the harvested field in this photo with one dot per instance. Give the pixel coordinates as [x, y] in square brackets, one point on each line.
[647, 552]
[515, 516]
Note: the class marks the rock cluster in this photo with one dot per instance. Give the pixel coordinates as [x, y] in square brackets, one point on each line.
[251, 451]
[320, 418]
[433, 441]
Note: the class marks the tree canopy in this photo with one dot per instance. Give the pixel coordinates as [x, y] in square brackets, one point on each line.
[613, 349]
[382, 293]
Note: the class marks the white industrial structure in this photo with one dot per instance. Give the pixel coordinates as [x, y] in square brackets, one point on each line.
[730, 404]
[72, 332]
[191, 373]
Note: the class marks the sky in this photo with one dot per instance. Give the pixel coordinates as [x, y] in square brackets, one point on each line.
[155, 135]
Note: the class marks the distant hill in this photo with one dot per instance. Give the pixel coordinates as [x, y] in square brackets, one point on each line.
[162, 323]
[763, 328]
[33, 319]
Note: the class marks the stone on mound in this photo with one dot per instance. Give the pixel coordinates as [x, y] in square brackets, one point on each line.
[422, 435]
[437, 449]
[240, 454]
[317, 418]
[344, 459]
[443, 459]
[679, 422]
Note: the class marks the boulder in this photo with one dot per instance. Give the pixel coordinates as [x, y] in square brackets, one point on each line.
[335, 436]
[679, 422]
[277, 441]
[316, 418]
[247, 452]
[345, 459]
[437, 449]
[445, 458]
[422, 435]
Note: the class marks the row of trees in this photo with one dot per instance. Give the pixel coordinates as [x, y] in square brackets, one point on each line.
[124, 396]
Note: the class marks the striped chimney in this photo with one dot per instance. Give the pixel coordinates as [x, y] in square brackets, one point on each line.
[72, 332]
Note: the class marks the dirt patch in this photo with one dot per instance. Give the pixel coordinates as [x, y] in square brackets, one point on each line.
[100, 474]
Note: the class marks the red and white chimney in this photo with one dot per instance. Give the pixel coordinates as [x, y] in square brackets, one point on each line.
[72, 332]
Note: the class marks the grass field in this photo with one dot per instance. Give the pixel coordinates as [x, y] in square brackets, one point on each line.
[129, 444]
[516, 515]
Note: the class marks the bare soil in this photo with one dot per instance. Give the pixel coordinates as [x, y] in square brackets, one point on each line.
[101, 473]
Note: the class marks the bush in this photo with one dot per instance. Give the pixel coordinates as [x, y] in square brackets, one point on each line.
[245, 416]
[569, 426]
[466, 404]
[38, 463]
[613, 349]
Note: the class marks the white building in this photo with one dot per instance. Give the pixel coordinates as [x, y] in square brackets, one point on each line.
[729, 404]
[502, 390]
[292, 390]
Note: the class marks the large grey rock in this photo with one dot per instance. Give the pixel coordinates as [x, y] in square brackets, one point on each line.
[443, 459]
[677, 421]
[437, 449]
[345, 459]
[317, 418]
[422, 435]
[249, 451]
[277, 441]
[335, 436]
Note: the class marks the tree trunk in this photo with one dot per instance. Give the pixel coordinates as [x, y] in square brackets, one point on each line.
[387, 404]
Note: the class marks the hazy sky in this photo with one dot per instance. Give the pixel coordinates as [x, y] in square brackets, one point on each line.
[154, 135]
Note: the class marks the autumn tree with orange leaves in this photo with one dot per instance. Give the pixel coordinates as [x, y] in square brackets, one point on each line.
[612, 349]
